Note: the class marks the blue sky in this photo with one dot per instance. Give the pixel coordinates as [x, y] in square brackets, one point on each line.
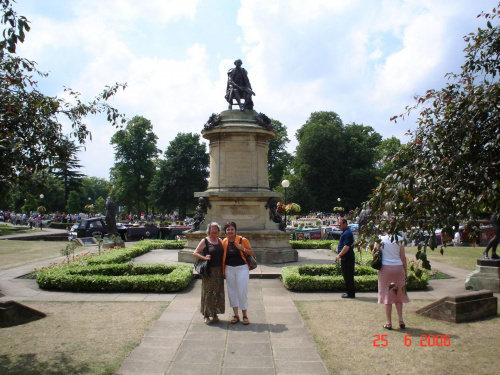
[363, 59]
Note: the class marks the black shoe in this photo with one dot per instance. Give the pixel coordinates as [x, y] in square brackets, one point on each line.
[345, 295]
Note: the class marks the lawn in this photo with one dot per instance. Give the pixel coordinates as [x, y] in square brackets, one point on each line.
[18, 253]
[76, 337]
[349, 338]
[9, 229]
[462, 257]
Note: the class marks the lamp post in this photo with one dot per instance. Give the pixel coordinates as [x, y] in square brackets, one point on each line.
[90, 214]
[285, 184]
[41, 217]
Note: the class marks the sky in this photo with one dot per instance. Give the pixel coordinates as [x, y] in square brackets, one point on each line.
[363, 59]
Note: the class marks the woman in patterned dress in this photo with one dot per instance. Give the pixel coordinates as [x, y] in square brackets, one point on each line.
[212, 288]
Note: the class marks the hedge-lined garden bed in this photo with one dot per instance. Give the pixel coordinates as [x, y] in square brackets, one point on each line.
[321, 277]
[110, 272]
[314, 244]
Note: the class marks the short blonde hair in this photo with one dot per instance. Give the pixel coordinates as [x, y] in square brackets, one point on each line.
[213, 224]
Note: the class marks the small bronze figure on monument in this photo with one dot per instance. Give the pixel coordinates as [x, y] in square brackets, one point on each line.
[238, 87]
[493, 243]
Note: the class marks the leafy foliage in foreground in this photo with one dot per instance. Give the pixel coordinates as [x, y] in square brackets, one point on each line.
[109, 272]
[320, 277]
[451, 170]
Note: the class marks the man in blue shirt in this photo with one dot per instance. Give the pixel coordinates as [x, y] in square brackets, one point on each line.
[346, 258]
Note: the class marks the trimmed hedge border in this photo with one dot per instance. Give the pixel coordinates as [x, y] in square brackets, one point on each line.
[314, 244]
[117, 278]
[321, 277]
[109, 272]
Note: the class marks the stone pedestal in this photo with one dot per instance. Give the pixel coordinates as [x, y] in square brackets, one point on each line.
[238, 189]
[463, 307]
[486, 276]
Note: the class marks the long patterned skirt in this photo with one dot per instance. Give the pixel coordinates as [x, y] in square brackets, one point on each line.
[212, 293]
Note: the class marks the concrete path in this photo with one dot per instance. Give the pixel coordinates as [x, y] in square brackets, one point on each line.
[276, 341]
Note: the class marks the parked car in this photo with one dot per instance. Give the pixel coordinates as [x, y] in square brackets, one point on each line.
[88, 228]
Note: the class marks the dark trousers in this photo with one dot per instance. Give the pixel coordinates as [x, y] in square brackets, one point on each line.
[347, 267]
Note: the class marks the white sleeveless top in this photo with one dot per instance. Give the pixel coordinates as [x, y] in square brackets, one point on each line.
[391, 251]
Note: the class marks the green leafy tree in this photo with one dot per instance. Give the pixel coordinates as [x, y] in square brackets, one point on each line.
[388, 161]
[94, 187]
[183, 172]
[100, 205]
[278, 159]
[30, 203]
[74, 204]
[66, 168]
[134, 169]
[333, 161]
[454, 168]
[31, 137]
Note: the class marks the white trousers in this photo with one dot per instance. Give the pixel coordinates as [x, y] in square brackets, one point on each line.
[237, 285]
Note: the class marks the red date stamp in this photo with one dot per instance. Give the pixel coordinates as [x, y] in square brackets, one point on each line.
[424, 341]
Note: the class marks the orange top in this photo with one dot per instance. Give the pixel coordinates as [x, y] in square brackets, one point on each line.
[237, 240]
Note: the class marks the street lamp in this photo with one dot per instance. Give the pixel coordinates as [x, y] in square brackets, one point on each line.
[41, 217]
[90, 214]
[285, 184]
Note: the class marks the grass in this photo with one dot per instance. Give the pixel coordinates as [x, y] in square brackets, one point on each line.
[9, 229]
[345, 333]
[462, 257]
[18, 253]
[76, 337]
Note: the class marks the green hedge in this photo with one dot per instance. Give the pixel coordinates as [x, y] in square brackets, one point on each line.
[55, 225]
[116, 278]
[126, 254]
[321, 277]
[109, 272]
[314, 244]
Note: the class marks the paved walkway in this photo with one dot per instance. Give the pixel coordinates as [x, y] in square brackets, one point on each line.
[276, 341]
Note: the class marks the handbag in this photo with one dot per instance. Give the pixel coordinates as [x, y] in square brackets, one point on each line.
[202, 266]
[251, 261]
[376, 262]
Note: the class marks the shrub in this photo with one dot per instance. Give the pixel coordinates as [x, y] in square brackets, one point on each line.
[55, 225]
[314, 244]
[116, 278]
[321, 277]
[110, 272]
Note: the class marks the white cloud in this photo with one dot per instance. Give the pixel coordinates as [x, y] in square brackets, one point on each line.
[361, 59]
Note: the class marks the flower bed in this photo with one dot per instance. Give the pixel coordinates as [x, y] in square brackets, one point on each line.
[316, 277]
[109, 272]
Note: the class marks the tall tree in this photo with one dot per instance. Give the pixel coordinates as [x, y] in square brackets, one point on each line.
[31, 137]
[334, 161]
[94, 187]
[74, 205]
[66, 168]
[454, 168]
[135, 155]
[278, 159]
[388, 161]
[183, 172]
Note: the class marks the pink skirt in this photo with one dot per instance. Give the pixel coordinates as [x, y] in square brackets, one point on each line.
[388, 294]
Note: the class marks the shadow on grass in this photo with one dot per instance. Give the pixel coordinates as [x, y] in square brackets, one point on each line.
[29, 364]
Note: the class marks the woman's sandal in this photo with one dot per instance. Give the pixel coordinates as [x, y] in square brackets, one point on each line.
[215, 319]
[388, 326]
[235, 319]
[246, 321]
[208, 321]
[402, 325]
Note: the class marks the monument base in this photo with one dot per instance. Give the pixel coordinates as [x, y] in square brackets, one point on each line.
[486, 276]
[270, 246]
[462, 308]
